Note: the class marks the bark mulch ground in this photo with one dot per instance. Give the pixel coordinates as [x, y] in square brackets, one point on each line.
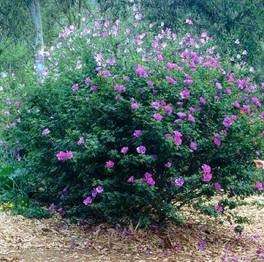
[200, 239]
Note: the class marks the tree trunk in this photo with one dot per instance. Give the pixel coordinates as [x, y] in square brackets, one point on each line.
[39, 44]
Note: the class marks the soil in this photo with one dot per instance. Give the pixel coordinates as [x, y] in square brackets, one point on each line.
[200, 239]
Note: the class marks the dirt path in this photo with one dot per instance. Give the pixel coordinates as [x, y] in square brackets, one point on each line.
[55, 240]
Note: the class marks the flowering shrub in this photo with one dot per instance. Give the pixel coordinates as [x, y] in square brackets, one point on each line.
[131, 126]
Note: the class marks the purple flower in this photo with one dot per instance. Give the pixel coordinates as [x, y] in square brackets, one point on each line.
[148, 178]
[160, 57]
[120, 89]
[256, 101]
[168, 109]
[217, 186]
[158, 117]
[131, 179]
[219, 208]
[218, 86]
[134, 105]
[63, 156]
[202, 100]
[109, 164]
[177, 137]
[171, 80]
[168, 164]
[141, 150]
[188, 80]
[185, 94]
[105, 73]
[181, 115]
[217, 140]
[124, 150]
[88, 201]
[87, 81]
[156, 105]
[137, 133]
[193, 146]
[94, 88]
[171, 66]
[75, 87]
[80, 141]
[99, 189]
[179, 182]
[259, 186]
[236, 105]
[141, 71]
[229, 120]
[45, 132]
[207, 175]
[191, 118]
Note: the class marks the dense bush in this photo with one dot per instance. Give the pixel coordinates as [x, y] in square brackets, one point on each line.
[130, 126]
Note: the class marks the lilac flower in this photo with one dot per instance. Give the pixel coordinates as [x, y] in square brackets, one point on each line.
[87, 81]
[94, 88]
[168, 164]
[141, 71]
[236, 105]
[45, 132]
[80, 141]
[188, 80]
[124, 150]
[137, 133]
[191, 118]
[177, 137]
[217, 186]
[259, 186]
[207, 175]
[202, 100]
[99, 189]
[63, 156]
[171, 66]
[105, 73]
[179, 182]
[134, 105]
[131, 179]
[160, 57]
[256, 101]
[120, 89]
[228, 91]
[219, 208]
[168, 109]
[88, 201]
[148, 178]
[245, 109]
[94, 193]
[158, 117]
[181, 115]
[109, 164]
[217, 140]
[185, 94]
[150, 83]
[156, 105]
[188, 21]
[229, 120]
[75, 87]
[171, 80]
[193, 146]
[141, 150]
[218, 86]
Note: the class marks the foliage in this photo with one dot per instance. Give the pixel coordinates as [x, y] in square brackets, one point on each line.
[131, 126]
[226, 20]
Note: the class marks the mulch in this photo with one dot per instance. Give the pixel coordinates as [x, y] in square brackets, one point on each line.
[200, 239]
